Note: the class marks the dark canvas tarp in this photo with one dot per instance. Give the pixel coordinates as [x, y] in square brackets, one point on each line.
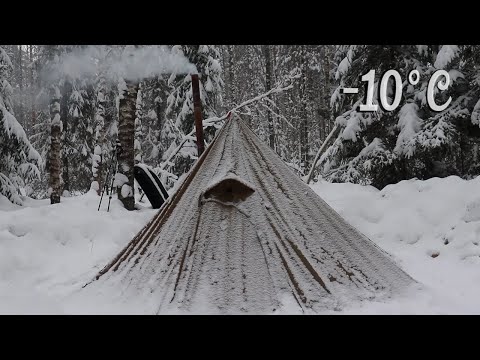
[151, 185]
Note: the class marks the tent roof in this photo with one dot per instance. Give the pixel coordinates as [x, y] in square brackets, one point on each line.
[244, 234]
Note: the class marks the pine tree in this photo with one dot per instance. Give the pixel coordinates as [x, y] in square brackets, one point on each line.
[179, 108]
[19, 161]
[99, 134]
[56, 128]
[412, 141]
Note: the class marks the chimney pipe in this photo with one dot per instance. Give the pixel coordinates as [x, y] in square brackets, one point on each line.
[197, 111]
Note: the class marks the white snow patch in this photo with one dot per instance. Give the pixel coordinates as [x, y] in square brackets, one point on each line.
[351, 129]
[120, 179]
[455, 75]
[476, 114]
[446, 54]
[413, 220]
[343, 68]
[410, 124]
[126, 190]
[94, 186]
[48, 252]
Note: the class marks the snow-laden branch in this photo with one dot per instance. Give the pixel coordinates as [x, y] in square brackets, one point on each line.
[213, 120]
[280, 116]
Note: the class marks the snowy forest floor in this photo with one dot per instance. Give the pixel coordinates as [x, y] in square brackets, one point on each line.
[432, 228]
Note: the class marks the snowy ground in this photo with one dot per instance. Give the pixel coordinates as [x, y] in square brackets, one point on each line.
[432, 228]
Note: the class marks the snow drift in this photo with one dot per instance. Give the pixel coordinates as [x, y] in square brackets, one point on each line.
[48, 252]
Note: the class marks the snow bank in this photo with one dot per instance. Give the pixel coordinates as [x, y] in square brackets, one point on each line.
[431, 228]
[49, 251]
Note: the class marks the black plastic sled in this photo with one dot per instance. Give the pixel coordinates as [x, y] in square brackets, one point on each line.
[151, 185]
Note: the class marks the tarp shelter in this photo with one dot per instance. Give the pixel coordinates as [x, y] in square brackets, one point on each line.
[244, 234]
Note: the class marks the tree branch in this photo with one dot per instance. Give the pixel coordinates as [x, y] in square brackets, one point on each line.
[211, 121]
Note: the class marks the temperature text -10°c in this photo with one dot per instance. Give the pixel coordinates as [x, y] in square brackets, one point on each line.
[413, 79]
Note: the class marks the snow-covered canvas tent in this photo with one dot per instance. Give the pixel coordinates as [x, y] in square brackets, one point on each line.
[244, 234]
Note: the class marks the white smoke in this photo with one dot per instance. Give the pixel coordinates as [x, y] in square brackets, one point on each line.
[131, 63]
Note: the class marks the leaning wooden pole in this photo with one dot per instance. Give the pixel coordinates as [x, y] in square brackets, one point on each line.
[326, 143]
[197, 111]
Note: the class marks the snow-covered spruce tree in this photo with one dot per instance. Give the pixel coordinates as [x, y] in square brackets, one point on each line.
[154, 141]
[41, 129]
[112, 102]
[18, 159]
[77, 114]
[157, 132]
[81, 113]
[385, 147]
[99, 131]
[18, 80]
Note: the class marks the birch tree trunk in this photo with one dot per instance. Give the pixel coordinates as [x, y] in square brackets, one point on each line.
[126, 137]
[55, 163]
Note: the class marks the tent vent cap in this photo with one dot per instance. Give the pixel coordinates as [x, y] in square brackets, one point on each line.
[230, 188]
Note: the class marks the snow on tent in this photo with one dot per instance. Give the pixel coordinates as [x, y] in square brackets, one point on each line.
[243, 234]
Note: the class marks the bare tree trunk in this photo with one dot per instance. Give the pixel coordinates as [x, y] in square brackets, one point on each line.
[231, 76]
[20, 68]
[304, 121]
[327, 120]
[160, 113]
[126, 138]
[66, 92]
[268, 85]
[33, 112]
[55, 163]
[21, 106]
[322, 104]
